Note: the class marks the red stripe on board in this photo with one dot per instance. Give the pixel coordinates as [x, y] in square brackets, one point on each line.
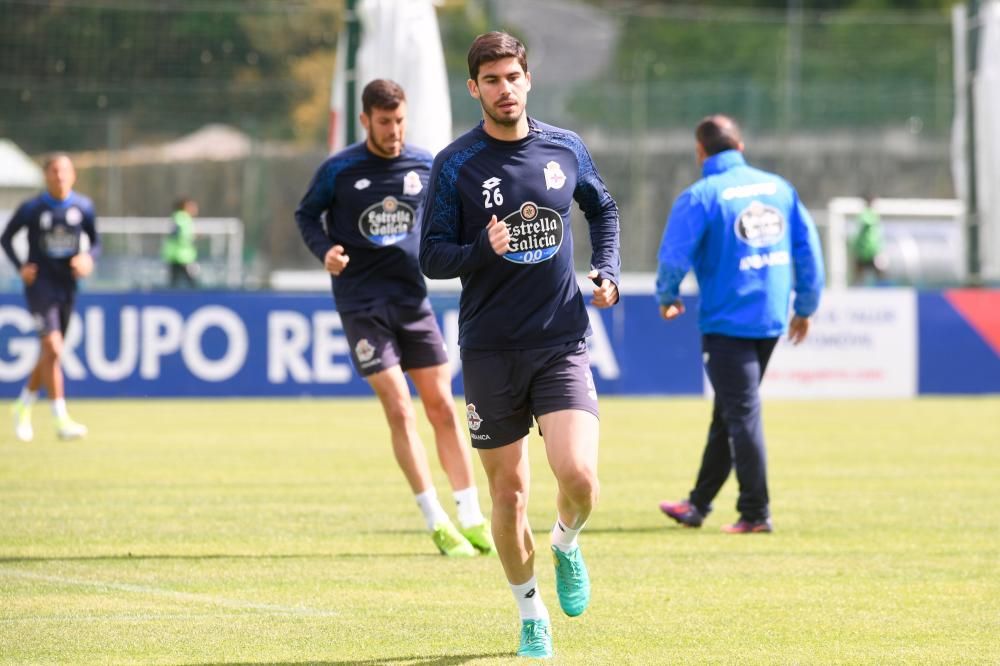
[981, 309]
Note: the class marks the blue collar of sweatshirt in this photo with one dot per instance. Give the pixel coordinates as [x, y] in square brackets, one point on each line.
[56, 203]
[723, 161]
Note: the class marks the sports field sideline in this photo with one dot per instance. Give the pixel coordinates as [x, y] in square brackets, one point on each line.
[237, 531]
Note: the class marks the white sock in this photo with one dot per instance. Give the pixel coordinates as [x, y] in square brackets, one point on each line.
[529, 601]
[431, 508]
[469, 513]
[563, 537]
[59, 408]
[28, 397]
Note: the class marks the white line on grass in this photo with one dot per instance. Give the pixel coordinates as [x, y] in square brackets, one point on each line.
[126, 617]
[238, 604]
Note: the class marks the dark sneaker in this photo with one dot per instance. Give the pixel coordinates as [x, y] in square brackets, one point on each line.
[761, 526]
[684, 513]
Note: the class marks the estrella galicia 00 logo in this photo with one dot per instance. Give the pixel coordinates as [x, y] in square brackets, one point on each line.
[387, 222]
[760, 225]
[535, 234]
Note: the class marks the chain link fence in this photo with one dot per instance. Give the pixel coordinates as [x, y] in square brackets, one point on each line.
[227, 102]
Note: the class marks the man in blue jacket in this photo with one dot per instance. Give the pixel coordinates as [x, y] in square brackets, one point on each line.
[751, 243]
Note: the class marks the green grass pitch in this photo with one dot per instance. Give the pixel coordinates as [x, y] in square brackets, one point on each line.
[232, 531]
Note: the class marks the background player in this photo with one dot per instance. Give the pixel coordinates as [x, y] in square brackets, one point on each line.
[498, 216]
[54, 220]
[359, 218]
[179, 251]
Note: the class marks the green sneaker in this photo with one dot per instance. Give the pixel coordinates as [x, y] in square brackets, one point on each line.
[480, 537]
[536, 639]
[22, 421]
[572, 581]
[67, 428]
[451, 542]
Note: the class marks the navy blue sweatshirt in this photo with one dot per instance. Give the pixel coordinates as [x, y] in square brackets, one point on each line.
[369, 205]
[54, 230]
[528, 298]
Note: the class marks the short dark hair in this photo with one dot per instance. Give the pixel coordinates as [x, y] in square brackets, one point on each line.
[493, 46]
[182, 202]
[381, 94]
[717, 133]
[51, 158]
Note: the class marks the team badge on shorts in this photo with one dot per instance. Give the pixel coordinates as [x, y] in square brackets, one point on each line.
[411, 183]
[554, 176]
[364, 350]
[473, 417]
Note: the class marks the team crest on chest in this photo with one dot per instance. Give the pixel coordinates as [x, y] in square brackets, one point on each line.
[412, 184]
[73, 216]
[554, 176]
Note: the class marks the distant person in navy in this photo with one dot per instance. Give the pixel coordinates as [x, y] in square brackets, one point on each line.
[359, 218]
[55, 221]
[498, 217]
[751, 244]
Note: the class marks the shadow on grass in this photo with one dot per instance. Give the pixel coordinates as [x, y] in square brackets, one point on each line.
[644, 529]
[639, 529]
[398, 532]
[453, 660]
[158, 556]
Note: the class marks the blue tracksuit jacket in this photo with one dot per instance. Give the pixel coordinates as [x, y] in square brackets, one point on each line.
[750, 241]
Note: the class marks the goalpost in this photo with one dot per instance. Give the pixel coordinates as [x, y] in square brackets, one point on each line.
[130, 257]
[131, 252]
[925, 239]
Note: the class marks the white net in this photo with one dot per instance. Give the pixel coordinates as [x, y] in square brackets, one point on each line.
[130, 257]
[924, 240]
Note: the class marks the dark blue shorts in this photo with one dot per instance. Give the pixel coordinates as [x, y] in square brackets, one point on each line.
[388, 335]
[51, 309]
[505, 388]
